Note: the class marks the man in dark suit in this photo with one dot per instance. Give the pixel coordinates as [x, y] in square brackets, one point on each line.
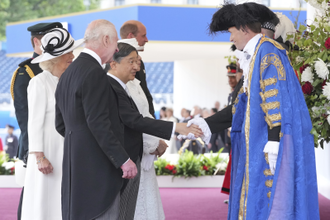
[19, 83]
[93, 146]
[135, 29]
[123, 69]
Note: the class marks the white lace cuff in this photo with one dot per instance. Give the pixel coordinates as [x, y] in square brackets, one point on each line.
[150, 143]
[204, 126]
[272, 147]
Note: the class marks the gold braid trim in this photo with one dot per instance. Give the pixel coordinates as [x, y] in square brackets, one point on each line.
[270, 105]
[269, 194]
[29, 72]
[266, 158]
[267, 172]
[274, 117]
[267, 82]
[268, 94]
[269, 183]
[271, 118]
[13, 78]
[233, 110]
[281, 134]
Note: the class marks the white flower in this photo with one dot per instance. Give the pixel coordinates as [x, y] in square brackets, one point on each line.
[299, 59]
[326, 90]
[8, 165]
[321, 69]
[307, 75]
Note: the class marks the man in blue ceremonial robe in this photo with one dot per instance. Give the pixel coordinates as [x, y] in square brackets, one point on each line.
[273, 160]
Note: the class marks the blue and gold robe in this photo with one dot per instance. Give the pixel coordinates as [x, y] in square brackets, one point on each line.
[273, 98]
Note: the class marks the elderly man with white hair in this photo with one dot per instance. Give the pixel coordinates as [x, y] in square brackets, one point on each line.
[95, 162]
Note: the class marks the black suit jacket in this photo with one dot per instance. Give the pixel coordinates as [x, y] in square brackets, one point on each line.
[222, 119]
[136, 124]
[141, 75]
[93, 154]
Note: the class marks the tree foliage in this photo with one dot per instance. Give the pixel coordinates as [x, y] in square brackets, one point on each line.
[21, 10]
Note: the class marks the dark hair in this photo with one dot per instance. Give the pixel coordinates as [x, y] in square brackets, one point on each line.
[214, 110]
[128, 28]
[35, 36]
[124, 51]
[163, 108]
[250, 15]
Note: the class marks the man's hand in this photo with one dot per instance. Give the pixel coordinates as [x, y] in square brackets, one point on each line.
[160, 149]
[129, 170]
[183, 129]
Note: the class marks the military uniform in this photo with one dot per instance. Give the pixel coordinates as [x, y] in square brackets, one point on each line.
[19, 84]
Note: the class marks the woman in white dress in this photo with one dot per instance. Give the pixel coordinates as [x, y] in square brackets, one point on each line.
[172, 149]
[149, 205]
[42, 188]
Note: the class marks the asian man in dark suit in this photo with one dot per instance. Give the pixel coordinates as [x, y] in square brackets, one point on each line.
[123, 69]
[135, 29]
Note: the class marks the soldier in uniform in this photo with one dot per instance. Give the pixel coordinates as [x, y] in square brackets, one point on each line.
[11, 142]
[18, 89]
[20, 82]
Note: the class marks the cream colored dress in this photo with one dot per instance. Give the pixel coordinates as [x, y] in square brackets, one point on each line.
[149, 204]
[42, 193]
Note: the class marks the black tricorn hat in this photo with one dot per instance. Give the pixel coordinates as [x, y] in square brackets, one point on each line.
[42, 28]
[239, 16]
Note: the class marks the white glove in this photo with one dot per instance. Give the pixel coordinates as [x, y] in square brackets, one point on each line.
[202, 125]
[272, 158]
[272, 149]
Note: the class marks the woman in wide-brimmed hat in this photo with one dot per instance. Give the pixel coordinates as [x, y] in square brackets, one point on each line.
[42, 189]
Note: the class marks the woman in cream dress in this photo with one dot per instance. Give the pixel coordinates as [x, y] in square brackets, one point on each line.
[42, 189]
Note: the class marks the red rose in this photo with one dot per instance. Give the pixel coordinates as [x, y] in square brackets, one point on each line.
[303, 67]
[205, 168]
[174, 171]
[307, 88]
[327, 43]
[324, 82]
[169, 167]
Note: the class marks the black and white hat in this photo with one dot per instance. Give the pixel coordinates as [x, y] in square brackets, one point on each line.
[55, 43]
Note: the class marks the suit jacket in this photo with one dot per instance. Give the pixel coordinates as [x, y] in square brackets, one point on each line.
[20, 83]
[136, 124]
[93, 146]
[141, 75]
[222, 119]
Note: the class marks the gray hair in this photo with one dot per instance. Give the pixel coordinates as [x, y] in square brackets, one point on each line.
[49, 64]
[96, 30]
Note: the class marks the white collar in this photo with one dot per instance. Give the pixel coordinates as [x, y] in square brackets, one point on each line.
[93, 54]
[118, 80]
[251, 45]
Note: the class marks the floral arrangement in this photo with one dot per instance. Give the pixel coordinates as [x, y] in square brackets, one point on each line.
[190, 165]
[312, 62]
[6, 167]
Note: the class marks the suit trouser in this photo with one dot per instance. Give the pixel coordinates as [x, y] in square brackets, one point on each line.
[129, 195]
[19, 209]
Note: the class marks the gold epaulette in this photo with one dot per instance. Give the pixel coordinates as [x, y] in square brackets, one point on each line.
[29, 72]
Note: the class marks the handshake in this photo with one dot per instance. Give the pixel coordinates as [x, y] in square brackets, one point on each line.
[195, 128]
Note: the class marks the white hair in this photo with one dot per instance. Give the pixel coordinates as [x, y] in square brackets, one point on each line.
[96, 30]
[49, 64]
